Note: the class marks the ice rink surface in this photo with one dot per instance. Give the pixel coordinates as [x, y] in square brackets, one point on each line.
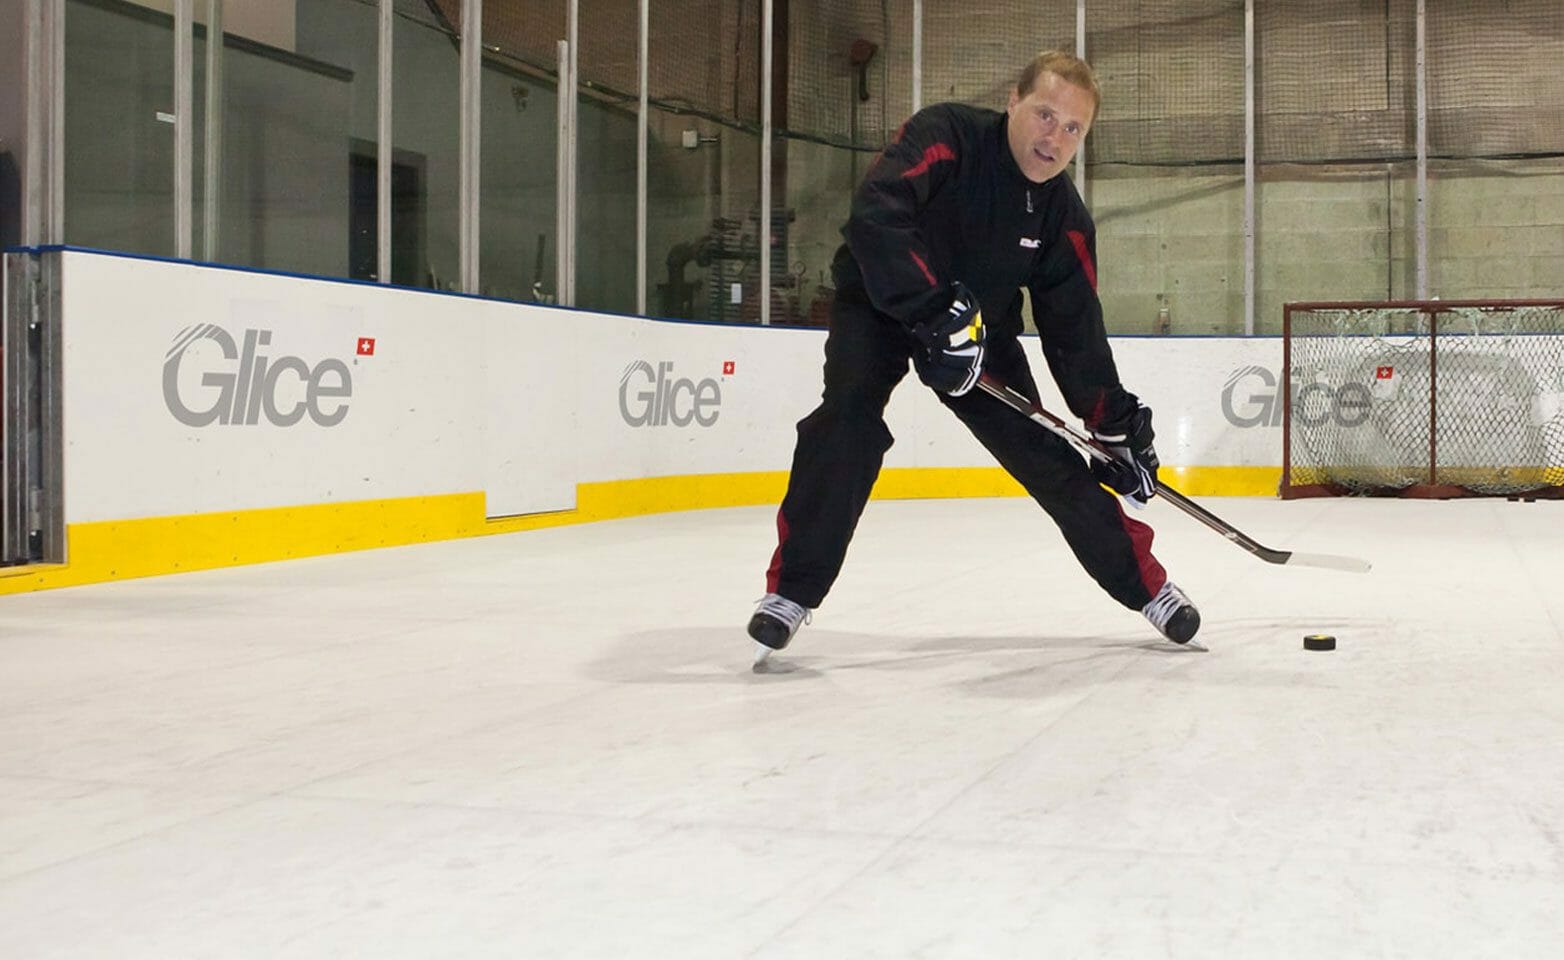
[550, 745]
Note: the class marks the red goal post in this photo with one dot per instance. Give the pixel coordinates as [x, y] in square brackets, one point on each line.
[1423, 398]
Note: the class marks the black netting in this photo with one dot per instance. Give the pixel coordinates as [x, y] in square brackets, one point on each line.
[1494, 85]
[839, 74]
[1335, 80]
[975, 57]
[1172, 78]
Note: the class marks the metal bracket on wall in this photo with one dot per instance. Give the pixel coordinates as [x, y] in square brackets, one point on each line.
[32, 502]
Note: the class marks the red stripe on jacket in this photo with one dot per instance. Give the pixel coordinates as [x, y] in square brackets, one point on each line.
[931, 156]
[1078, 241]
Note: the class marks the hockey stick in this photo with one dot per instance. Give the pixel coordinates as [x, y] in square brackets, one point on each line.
[1096, 451]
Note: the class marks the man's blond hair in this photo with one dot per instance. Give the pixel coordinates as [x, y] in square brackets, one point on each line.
[1067, 67]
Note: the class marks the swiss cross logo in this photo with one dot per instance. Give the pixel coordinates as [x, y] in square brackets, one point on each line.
[366, 346]
[727, 368]
[1384, 373]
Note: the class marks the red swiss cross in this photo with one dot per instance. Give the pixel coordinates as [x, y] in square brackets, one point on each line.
[366, 346]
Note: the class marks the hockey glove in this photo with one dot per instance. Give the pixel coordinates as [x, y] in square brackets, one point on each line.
[1132, 472]
[952, 356]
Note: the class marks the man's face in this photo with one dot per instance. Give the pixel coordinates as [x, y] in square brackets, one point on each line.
[1047, 125]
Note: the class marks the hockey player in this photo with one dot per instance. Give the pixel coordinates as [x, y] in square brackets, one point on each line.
[962, 210]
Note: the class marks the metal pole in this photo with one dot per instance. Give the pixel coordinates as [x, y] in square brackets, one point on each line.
[1422, 153]
[184, 135]
[562, 176]
[43, 203]
[766, 29]
[383, 146]
[471, 100]
[212, 157]
[641, 119]
[917, 55]
[34, 174]
[574, 169]
[1080, 51]
[55, 159]
[1249, 170]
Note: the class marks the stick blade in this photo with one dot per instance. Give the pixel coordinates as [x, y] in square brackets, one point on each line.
[1329, 561]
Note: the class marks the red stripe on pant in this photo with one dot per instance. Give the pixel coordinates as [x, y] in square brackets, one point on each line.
[1152, 575]
[774, 572]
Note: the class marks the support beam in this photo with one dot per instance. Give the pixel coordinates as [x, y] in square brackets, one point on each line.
[212, 134]
[1249, 169]
[470, 109]
[383, 76]
[184, 128]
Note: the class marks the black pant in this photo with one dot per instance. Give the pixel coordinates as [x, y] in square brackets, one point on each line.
[842, 444]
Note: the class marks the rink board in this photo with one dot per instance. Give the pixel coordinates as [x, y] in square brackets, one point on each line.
[215, 416]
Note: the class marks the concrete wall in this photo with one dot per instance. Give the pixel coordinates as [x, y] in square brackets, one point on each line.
[1169, 239]
[1497, 229]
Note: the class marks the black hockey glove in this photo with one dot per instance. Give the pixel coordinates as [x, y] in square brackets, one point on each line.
[1132, 472]
[952, 356]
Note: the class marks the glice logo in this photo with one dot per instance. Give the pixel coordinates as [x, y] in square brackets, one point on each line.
[1313, 404]
[249, 389]
[652, 398]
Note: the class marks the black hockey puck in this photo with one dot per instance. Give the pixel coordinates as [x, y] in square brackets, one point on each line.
[1319, 641]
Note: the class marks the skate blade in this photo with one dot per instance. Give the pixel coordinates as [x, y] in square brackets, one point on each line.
[762, 658]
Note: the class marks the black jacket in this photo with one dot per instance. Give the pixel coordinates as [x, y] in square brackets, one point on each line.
[944, 202]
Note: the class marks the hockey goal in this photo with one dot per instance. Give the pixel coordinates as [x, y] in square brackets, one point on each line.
[1423, 399]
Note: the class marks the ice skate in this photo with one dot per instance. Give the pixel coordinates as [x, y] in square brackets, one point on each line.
[1172, 614]
[775, 621]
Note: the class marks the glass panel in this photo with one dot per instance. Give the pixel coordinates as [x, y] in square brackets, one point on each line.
[605, 181]
[1164, 165]
[288, 123]
[1495, 138]
[334, 105]
[703, 214]
[1331, 151]
[426, 130]
[845, 86]
[119, 130]
[519, 134]
[1493, 229]
[518, 216]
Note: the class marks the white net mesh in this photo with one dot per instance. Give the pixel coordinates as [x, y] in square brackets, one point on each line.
[1433, 400]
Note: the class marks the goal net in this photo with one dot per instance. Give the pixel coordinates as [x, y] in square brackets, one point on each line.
[1423, 399]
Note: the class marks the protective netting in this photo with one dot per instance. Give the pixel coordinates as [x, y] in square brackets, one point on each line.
[705, 54]
[691, 63]
[839, 73]
[1172, 77]
[1335, 79]
[974, 57]
[1494, 84]
[1451, 400]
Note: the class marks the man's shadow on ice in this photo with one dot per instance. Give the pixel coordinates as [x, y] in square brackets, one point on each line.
[725, 656]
